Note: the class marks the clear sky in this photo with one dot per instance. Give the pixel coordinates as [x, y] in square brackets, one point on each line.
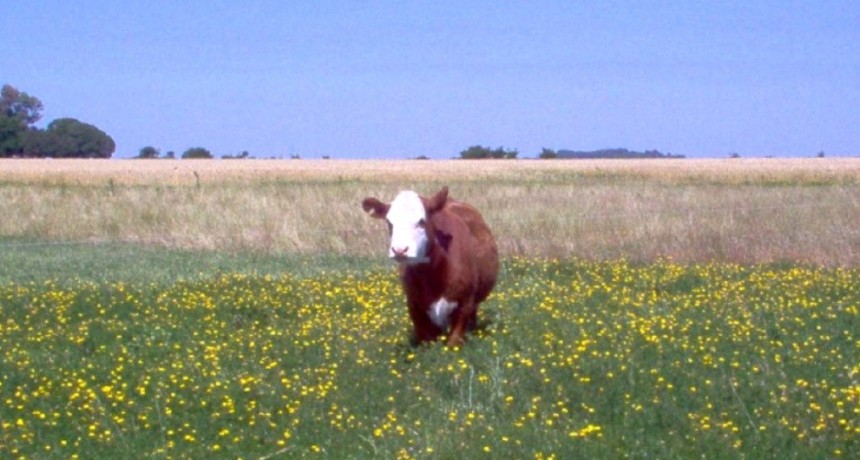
[398, 79]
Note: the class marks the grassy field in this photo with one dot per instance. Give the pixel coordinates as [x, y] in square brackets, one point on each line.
[571, 360]
[243, 310]
[743, 211]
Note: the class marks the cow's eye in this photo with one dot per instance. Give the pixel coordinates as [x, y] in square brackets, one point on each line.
[422, 223]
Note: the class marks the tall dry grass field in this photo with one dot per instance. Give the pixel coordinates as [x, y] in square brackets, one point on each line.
[737, 210]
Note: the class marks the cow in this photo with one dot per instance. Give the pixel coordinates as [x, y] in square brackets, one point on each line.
[448, 260]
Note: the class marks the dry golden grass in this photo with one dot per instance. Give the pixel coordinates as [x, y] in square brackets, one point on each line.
[184, 172]
[739, 210]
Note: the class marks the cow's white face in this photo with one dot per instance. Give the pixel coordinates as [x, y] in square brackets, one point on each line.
[407, 220]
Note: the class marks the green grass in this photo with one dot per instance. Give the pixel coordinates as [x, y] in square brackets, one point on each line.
[201, 355]
[69, 262]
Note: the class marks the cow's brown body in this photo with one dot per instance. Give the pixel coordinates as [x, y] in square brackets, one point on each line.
[461, 267]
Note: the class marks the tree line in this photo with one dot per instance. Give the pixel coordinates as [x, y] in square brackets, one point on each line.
[151, 153]
[71, 138]
[62, 138]
[477, 152]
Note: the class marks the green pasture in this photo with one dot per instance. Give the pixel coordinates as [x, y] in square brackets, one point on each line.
[125, 351]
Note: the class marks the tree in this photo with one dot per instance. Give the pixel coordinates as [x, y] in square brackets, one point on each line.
[477, 152]
[18, 110]
[240, 156]
[10, 136]
[196, 153]
[68, 138]
[63, 138]
[20, 105]
[36, 143]
[547, 154]
[79, 140]
[508, 154]
[149, 152]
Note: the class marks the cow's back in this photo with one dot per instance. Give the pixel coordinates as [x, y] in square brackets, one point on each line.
[482, 248]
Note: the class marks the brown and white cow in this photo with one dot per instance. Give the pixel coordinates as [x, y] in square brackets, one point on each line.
[448, 260]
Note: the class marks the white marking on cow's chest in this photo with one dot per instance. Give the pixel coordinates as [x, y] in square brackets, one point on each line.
[440, 310]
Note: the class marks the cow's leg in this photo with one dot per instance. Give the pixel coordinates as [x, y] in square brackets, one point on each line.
[473, 319]
[425, 330]
[462, 317]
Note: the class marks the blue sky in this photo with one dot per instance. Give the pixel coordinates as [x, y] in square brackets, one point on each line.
[398, 79]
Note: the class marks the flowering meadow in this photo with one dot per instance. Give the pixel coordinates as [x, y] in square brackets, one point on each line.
[571, 359]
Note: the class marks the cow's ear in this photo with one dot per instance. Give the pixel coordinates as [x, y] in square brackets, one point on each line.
[375, 207]
[437, 201]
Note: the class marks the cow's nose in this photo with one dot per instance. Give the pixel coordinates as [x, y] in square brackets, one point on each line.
[399, 252]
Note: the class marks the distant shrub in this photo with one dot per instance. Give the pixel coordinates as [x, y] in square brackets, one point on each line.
[196, 153]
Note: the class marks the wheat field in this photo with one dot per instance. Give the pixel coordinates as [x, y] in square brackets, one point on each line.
[190, 172]
[735, 210]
